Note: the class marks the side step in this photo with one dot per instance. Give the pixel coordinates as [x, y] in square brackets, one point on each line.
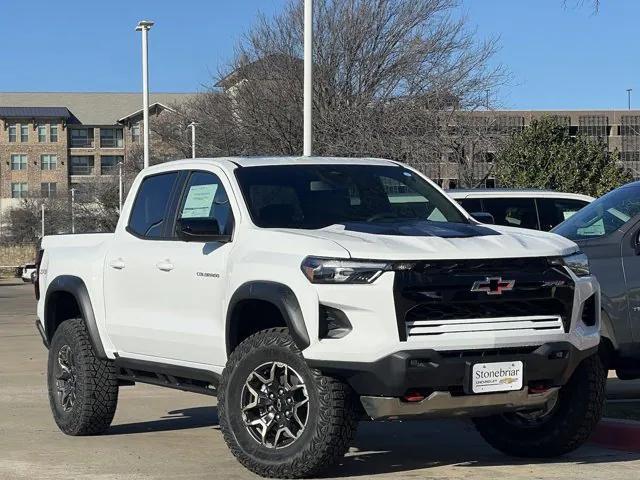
[170, 376]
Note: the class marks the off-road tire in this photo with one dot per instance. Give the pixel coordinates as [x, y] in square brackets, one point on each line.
[96, 384]
[331, 423]
[570, 423]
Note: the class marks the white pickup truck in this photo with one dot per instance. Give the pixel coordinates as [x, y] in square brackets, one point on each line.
[310, 293]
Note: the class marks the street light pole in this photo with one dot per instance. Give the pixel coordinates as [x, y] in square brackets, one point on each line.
[42, 221]
[629, 90]
[120, 187]
[73, 201]
[144, 26]
[308, 79]
[192, 126]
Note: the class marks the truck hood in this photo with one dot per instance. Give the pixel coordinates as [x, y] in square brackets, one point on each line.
[435, 241]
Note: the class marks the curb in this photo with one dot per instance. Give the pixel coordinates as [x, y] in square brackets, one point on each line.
[617, 434]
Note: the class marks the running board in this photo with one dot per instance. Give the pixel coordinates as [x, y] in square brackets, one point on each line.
[171, 376]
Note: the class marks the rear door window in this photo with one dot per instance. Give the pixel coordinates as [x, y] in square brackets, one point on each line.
[471, 205]
[513, 212]
[554, 211]
[149, 214]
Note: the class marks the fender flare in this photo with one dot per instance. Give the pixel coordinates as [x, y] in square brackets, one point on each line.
[76, 287]
[282, 297]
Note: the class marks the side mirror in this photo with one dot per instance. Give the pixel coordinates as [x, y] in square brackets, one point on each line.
[200, 230]
[484, 217]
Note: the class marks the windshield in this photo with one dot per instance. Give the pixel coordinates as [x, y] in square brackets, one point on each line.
[316, 196]
[604, 216]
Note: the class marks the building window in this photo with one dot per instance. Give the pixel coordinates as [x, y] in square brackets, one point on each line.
[48, 189]
[82, 165]
[135, 133]
[82, 137]
[593, 126]
[42, 133]
[48, 162]
[24, 133]
[111, 138]
[19, 190]
[109, 164]
[53, 132]
[18, 162]
[13, 133]
[507, 125]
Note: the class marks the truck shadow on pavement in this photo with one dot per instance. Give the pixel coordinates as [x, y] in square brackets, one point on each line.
[395, 447]
[403, 447]
[183, 419]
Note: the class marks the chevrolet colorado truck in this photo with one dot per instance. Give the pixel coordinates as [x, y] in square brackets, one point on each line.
[308, 294]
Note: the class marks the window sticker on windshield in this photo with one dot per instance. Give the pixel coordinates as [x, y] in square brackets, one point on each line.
[436, 216]
[199, 201]
[619, 215]
[568, 213]
[594, 230]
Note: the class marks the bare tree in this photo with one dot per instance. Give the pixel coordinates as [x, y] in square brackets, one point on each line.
[97, 206]
[25, 221]
[385, 70]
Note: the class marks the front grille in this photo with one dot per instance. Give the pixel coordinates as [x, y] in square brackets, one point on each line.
[485, 309]
[437, 298]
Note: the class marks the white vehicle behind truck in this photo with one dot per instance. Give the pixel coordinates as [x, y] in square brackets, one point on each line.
[310, 293]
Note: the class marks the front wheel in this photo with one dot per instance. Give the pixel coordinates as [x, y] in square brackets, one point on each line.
[279, 417]
[563, 426]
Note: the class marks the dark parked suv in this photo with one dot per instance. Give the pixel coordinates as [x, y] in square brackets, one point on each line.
[608, 232]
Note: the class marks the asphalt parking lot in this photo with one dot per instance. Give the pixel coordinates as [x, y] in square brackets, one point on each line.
[162, 434]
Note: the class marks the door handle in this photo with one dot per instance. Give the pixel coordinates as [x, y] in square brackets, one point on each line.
[165, 266]
[118, 263]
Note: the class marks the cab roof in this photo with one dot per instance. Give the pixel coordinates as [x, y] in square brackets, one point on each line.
[292, 160]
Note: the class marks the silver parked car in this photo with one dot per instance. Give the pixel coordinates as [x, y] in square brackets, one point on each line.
[608, 232]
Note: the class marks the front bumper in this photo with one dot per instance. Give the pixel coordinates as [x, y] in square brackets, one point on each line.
[443, 404]
[428, 371]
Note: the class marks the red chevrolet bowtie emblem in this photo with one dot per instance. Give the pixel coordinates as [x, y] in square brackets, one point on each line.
[493, 285]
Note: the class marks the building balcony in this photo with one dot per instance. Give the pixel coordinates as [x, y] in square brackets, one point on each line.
[81, 170]
[81, 143]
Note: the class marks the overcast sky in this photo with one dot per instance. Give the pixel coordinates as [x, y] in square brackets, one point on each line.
[560, 57]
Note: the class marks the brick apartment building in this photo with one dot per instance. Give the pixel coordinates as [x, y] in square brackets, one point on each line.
[51, 142]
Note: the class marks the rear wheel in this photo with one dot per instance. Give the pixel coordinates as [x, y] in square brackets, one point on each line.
[564, 425]
[83, 389]
[279, 417]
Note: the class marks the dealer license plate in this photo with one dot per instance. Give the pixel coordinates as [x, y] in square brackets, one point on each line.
[497, 377]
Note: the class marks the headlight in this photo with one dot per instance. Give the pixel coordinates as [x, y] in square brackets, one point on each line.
[330, 270]
[577, 262]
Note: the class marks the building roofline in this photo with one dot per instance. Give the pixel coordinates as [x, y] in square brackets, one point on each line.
[140, 111]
